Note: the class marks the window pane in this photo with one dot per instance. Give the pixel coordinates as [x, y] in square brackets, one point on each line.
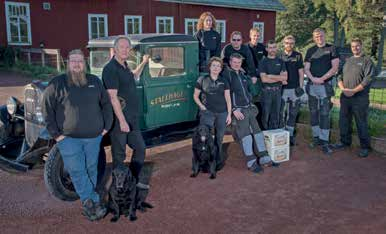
[161, 26]
[169, 62]
[14, 30]
[94, 28]
[102, 32]
[23, 31]
[136, 26]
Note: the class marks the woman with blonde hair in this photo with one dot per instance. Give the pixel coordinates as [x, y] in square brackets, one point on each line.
[209, 38]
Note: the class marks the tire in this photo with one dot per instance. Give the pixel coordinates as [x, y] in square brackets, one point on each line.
[57, 180]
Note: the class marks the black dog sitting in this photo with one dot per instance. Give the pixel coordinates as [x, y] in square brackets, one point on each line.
[204, 152]
[122, 194]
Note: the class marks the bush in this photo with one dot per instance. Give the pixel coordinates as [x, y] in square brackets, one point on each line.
[36, 72]
[7, 56]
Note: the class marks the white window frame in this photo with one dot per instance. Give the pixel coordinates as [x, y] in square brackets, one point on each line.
[133, 17]
[260, 26]
[159, 18]
[89, 24]
[191, 20]
[223, 34]
[28, 16]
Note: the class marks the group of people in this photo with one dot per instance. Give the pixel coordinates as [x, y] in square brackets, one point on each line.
[247, 85]
[253, 87]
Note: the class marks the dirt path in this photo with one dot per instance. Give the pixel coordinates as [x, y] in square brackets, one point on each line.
[311, 193]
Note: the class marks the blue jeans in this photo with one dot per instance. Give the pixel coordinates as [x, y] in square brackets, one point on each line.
[80, 158]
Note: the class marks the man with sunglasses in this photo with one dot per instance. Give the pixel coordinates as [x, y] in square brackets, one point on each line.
[294, 89]
[236, 46]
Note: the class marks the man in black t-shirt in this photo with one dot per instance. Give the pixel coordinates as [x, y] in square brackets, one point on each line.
[258, 51]
[354, 100]
[273, 75]
[236, 46]
[119, 81]
[320, 65]
[294, 89]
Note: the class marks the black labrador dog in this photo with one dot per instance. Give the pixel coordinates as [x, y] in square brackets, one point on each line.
[204, 152]
[122, 194]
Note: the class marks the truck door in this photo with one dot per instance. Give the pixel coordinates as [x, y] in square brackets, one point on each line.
[169, 85]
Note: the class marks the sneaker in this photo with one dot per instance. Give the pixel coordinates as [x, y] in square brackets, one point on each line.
[363, 153]
[315, 142]
[100, 211]
[89, 209]
[256, 168]
[340, 146]
[326, 149]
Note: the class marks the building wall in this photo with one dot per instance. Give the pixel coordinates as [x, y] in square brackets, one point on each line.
[65, 26]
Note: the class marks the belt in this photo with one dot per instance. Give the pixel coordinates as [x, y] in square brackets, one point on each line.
[272, 88]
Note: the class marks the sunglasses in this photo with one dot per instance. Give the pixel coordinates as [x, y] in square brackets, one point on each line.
[236, 39]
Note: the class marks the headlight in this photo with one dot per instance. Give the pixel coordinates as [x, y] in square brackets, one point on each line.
[11, 105]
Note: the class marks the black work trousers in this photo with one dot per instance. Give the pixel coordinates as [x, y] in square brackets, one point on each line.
[357, 107]
[134, 140]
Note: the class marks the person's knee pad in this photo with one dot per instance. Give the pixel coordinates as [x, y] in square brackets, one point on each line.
[247, 145]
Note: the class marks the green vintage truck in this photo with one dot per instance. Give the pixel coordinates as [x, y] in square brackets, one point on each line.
[168, 112]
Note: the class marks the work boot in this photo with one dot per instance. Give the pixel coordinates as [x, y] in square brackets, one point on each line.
[315, 142]
[264, 159]
[89, 209]
[326, 148]
[363, 153]
[100, 210]
[292, 140]
[340, 146]
[256, 168]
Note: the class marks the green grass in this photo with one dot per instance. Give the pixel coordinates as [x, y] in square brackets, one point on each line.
[377, 120]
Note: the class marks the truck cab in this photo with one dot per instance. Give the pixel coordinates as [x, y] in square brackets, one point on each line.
[167, 82]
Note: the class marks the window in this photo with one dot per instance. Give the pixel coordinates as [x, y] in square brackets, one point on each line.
[260, 26]
[164, 24]
[191, 26]
[221, 28]
[18, 23]
[133, 24]
[97, 25]
[166, 62]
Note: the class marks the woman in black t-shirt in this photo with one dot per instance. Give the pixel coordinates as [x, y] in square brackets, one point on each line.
[212, 95]
[210, 40]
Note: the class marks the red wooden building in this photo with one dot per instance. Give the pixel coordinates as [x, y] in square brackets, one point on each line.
[69, 24]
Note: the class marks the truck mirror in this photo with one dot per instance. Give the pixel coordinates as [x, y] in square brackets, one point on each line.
[156, 58]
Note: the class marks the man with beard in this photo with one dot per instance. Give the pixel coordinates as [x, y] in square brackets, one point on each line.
[244, 121]
[77, 111]
[294, 89]
[354, 100]
[119, 81]
[273, 75]
[320, 65]
[236, 46]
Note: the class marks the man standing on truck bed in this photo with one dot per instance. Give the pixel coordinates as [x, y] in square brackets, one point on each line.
[78, 113]
[320, 65]
[119, 81]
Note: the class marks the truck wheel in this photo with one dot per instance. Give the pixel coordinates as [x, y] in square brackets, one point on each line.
[57, 180]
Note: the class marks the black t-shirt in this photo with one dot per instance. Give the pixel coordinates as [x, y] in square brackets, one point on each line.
[320, 59]
[248, 64]
[271, 66]
[212, 93]
[258, 52]
[293, 63]
[358, 70]
[116, 76]
[209, 41]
